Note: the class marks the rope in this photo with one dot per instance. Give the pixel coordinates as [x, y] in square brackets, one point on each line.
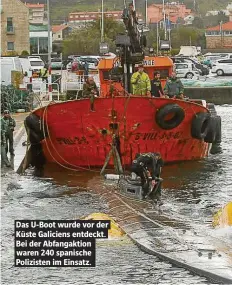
[62, 158]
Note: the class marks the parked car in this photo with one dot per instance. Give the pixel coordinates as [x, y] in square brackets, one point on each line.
[69, 66]
[92, 61]
[186, 70]
[202, 68]
[36, 64]
[56, 63]
[222, 67]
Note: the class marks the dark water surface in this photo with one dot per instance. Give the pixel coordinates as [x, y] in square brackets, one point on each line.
[193, 191]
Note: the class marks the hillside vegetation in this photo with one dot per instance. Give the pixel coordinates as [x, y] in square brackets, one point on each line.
[60, 9]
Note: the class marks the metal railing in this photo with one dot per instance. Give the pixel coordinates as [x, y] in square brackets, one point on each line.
[43, 92]
[76, 82]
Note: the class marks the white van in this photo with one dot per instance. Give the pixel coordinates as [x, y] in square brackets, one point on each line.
[36, 64]
[9, 64]
[26, 65]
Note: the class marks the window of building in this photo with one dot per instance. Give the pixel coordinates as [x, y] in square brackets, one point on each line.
[82, 16]
[58, 36]
[43, 45]
[33, 45]
[9, 24]
[71, 16]
[10, 45]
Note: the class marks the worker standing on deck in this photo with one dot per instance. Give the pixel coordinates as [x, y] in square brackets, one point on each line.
[141, 84]
[156, 87]
[10, 125]
[174, 87]
[4, 158]
[146, 164]
[90, 90]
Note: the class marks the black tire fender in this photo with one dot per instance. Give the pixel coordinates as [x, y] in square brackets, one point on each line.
[218, 136]
[34, 124]
[211, 134]
[176, 119]
[200, 125]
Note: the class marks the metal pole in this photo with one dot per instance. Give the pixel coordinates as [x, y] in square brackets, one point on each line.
[102, 23]
[146, 12]
[165, 28]
[157, 31]
[134, 4]
[49, 53]
[221, 32]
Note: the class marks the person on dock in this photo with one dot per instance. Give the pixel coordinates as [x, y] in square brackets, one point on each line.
[90, 90]
[44, 73]
[10, 126]
[156, 87]
[141, 84]
[174, 87]
[4, 158]
[144, 165]
[86, 68]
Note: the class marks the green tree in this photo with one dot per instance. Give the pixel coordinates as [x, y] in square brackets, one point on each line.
[211, 21]
[198, 23]
[186, 36]
[24, 53]
[86, 41]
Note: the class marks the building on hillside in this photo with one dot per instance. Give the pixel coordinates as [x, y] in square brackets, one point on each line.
[219, 36]
[60, 32]
[81, 19]
[39, 39]
[227, 11]
[14, 27]
[173, 11]
[36, 13]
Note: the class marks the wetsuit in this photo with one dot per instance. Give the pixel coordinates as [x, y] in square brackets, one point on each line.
[144, 162]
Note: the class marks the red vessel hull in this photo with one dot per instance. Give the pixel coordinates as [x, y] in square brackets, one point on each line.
[78, 137]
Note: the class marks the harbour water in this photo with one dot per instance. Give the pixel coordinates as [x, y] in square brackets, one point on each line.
[193, 192]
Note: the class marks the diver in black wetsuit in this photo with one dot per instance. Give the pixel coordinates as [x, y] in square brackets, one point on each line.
[145, 163]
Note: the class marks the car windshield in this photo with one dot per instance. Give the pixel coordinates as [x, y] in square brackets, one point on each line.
[36, 63]
[56, 60]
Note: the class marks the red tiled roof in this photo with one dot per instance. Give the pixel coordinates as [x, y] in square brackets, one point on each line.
[31, 5]
[172, 19]
[92, 13]
[226, 27]
[57, 28]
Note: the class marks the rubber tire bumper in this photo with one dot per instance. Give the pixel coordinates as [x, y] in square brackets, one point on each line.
[175, 121]
[218, 136]
[200, 125]
[32, 122]
[211, 134]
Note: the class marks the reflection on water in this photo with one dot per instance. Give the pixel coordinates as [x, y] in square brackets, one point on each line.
[193, 191]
